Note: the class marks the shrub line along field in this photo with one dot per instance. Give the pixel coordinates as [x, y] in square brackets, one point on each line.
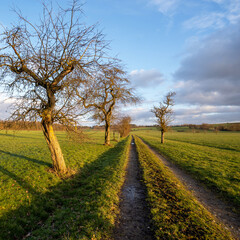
[217, 167]
[175, 213]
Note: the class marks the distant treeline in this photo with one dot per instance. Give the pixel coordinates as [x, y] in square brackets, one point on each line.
[122, 127]
[25, 125]
[215, 127]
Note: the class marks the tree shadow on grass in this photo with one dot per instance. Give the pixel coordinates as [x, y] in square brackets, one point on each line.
[19, 180]
[27, 158]
[76, 208]
[16, 136]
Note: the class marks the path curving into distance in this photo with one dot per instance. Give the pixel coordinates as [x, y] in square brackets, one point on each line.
[134, 219]
[221, 210]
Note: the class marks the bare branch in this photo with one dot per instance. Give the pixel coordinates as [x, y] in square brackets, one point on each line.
[43, 65]
[108, 88]
[164, 113]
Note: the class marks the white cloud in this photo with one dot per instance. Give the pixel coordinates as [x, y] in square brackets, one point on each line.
[228, 13]
[210, 74]
[207, 109]
[207, 114]
[165, 7]
[217, 1]
[210, 14]
[5, 108]
[146, 78]
[213, 20]
[140, 115]
[233, 14]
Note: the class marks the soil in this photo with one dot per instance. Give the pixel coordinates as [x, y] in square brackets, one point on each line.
[209, 199]
[134, 220]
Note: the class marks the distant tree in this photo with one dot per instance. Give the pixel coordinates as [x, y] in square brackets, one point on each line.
[124, 126]
[216, 130]
[205, 126]
[42, 65]
[164, 113]
[108, 88]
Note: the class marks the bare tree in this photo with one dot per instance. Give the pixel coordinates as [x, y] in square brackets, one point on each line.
[164, 113]
[108, 88]
[43, 64]
[124, 126]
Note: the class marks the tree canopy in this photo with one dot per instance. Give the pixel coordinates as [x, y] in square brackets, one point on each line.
[43, 64]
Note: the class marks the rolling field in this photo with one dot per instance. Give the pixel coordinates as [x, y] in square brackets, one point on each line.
[212, 158]
[38, 205]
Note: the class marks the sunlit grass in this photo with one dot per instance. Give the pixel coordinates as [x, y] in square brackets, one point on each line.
[38, 204]
[212, 158]
[175, 213]
[221, 140]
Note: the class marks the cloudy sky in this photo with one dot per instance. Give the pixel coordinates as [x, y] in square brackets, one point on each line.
[187, 46]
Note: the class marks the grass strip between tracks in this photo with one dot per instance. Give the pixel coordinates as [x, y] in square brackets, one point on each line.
[175, 213]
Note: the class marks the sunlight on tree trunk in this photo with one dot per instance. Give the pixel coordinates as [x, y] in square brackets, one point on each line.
[54, 147]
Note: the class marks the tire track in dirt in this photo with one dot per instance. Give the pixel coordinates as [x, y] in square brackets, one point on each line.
[134, 219]
[222, 211]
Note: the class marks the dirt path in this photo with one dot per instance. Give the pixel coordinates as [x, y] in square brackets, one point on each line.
[134, 221]
[206, 197]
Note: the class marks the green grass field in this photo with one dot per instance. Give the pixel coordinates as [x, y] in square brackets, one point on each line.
[37, 204]
[175, 213]
[212, 158]
[220, 140]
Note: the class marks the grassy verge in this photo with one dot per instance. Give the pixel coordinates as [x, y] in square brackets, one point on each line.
[35, 204]
[216, 168]
[175, 214]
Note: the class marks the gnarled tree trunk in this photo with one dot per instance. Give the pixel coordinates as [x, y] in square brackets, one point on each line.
[107, 133]
[54, 147]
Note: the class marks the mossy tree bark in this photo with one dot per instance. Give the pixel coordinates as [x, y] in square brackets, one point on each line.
[54, 147]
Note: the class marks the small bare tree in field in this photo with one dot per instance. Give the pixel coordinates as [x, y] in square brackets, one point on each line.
[43, 64]
[124, 126]
[108, 88]
[164, 113]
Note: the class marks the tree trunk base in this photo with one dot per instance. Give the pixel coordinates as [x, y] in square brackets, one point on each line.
[56, 153]
[68, 174]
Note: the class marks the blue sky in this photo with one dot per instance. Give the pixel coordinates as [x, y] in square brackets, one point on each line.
[191, 47]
